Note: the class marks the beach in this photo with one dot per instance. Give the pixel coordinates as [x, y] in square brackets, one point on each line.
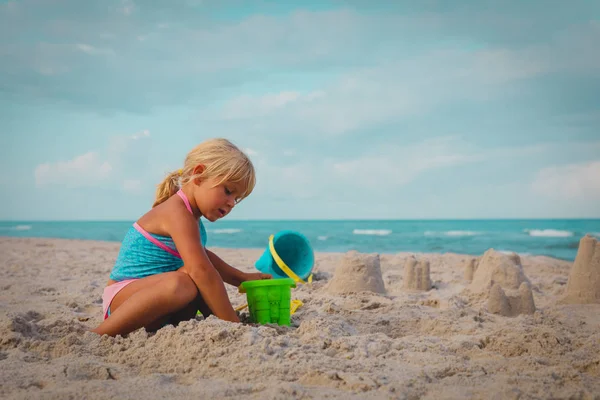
[388, 338]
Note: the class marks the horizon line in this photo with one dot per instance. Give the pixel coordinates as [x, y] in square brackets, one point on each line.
[324, 220]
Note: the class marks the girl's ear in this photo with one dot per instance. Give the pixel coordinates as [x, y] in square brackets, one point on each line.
[198, 170]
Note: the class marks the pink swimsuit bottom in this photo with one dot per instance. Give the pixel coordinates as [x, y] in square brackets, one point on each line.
[111, 291]
[109, 294]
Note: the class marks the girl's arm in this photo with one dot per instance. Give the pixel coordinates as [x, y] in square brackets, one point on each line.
[231, 275]
[183, 228]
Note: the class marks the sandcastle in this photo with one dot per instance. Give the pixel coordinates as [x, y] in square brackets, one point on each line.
[495, 267]
[416, 275]
[511, 304]
[470, 269]
[583, 286]
[502, 277]
[357, 272]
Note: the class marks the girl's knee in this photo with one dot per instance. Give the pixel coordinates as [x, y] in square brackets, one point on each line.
[181, 286]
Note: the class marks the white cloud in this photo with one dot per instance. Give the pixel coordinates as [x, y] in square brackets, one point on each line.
[94, 168]
[571, 182]
[48, 59]
[127, 7]
[297, 181]
[92, 50]
[246, 106]
[389, 168]
[84, 170]
[365, 97]
[132, 185]
[119, 144]
[143, 134]
[252, 49]
[378, 170]
[500, 66]
[398, 165]
[250, 152]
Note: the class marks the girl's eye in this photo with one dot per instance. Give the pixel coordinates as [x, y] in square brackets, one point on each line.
[229, 193]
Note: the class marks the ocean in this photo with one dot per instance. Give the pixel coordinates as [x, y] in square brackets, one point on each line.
[557, 238]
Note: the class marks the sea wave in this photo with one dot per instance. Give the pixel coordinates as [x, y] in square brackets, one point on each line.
[452, 233]
[322, 237]
[16, 228]
[229, 231]
[376, 232]
[548, 233]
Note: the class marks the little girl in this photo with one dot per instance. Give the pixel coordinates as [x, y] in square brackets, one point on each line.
[163, 273]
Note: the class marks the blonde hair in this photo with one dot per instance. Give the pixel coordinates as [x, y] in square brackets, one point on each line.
[222, 160]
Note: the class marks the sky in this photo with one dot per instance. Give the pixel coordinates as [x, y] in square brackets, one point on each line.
[348, 109]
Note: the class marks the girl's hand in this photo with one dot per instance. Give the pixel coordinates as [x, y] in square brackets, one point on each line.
[255, 276]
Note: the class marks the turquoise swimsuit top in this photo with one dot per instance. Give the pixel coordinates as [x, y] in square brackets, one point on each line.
[143, 254]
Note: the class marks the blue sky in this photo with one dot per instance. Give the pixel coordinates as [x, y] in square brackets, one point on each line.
[349, 109]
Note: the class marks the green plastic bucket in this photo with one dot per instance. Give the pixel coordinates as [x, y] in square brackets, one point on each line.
[269, 300]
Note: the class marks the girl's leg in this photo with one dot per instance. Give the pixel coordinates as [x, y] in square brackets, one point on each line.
[147, 300]
[190, 311]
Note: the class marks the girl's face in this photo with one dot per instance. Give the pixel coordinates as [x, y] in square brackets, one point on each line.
[215, 202]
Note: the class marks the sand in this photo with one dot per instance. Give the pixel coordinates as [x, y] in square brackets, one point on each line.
[417, 274]
[355, 273]
[511, 304]
[441, 343]
[583, 285]
[496, 267]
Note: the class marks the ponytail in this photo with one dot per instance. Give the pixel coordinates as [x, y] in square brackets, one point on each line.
[222, 160]
[167, 188]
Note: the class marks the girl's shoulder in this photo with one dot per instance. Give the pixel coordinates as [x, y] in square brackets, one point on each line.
[157, 220]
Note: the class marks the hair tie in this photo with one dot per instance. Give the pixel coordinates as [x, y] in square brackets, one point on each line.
[180, 172]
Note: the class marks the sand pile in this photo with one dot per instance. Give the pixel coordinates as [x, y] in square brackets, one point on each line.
[470, 269]
[417, 274]
[495, 267]
[357, 272]
[511, 303]
[583, 286]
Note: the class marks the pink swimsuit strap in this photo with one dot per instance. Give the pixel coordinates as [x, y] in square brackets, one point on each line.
[157, 242]
[185, 200]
